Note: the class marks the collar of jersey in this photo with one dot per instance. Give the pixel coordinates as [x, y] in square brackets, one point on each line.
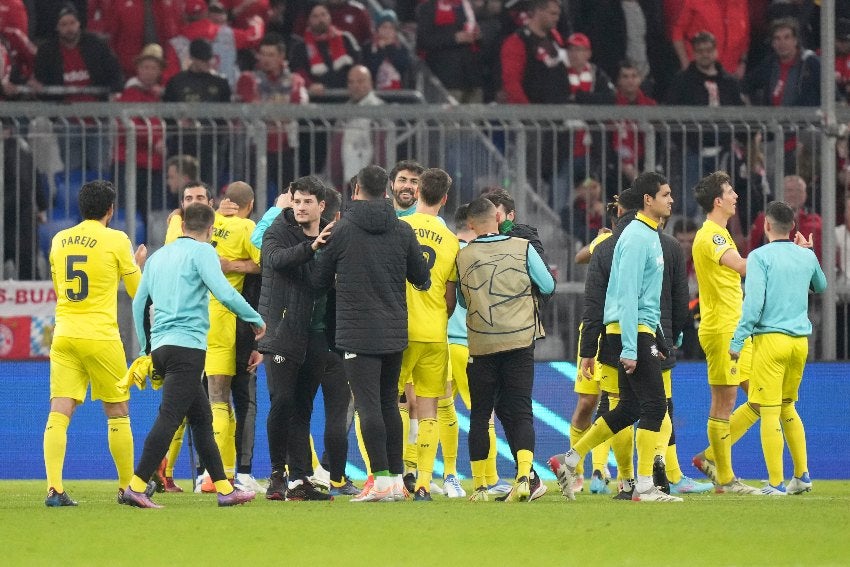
[647, 221]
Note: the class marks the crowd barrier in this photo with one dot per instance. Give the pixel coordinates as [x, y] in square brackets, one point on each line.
[822, 406]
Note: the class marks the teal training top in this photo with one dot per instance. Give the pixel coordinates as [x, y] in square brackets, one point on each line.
[633, 296]
[776, 291]
[178, 278]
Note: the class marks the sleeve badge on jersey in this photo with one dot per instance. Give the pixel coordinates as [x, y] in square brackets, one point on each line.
[718, 239]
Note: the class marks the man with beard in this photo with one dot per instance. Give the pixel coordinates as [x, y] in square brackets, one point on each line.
[404, 178]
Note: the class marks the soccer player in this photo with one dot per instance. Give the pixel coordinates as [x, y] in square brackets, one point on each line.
[404, 179]
[633, 312]
[496, 273]
[426, 358]
[232, 241]
[370, 255]
[179, 279]
[719, 268]
[458, 357]
[87, 262]
[774, 313]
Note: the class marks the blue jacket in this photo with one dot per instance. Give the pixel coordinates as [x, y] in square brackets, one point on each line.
[776, 292]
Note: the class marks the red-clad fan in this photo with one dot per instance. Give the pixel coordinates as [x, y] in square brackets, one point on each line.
[129, 27]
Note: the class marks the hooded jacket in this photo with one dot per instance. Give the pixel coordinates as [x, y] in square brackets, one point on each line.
[372, 254]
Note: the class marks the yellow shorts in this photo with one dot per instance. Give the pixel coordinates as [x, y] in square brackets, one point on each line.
[458, 357]
[221, 341]
[667, 376]
[428, 365]
[780, 360]
[74, 363]
[609, 379]
[722, 370]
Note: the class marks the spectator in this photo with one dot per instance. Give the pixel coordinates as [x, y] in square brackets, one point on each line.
[132, 24]
[727, 20]
[360, 142]
[790, 75]
[383, 54]
[272, 81]
[327, 53]
[534, 60]
[842, 58]
[25, 202]
[145, 87]
[77, 59]
[629, 29]
[179, 171]
[199, 83]
[703, 83]
[587, 211]
[627, 143]
[808, 224]
[19, 49]
[842, 310]
[447, 34]
[346, 15]
[243, 12]
[225, 41]
[44, 15]
[842, 245]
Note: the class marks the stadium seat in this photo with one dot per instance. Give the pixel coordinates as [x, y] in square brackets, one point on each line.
[48, 230]
[119, 222]
[68, 186]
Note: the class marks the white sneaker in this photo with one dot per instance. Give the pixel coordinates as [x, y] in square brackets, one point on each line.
[246, 481]
[654, 494]
[198, 482]
[737, 487]
[452, 487]
[436, 490]
[770, 490]
[399, 490]
[565, 474]
[799, 485]
[381, 491]
[321, 478]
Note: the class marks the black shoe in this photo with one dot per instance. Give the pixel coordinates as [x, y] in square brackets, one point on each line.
[422, 495]
[277, 486]
[347, 489]
[536, 486]
[305, 491]
[409, 480]
[627, 490]
[659, 475]
[55, 499]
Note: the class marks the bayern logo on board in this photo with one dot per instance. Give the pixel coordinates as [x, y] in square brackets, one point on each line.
[7, 340]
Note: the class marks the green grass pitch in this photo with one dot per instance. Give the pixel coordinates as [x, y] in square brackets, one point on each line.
[810, 529]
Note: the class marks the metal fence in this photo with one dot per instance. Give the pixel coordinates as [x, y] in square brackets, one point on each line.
[542, 155]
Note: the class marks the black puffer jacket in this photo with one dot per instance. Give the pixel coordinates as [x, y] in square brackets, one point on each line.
[286, 298]
[372, 253]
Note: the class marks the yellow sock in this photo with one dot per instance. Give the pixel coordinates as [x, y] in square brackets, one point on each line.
[599, 455]
[795, 436]
[590, 438]
[491, 472]
[55, 441]
[314, 458]
[740, 422]
[524, 458]
[664, 434]
[221, 426]
[361, 445]
[772, 443]
[671, 464]
[623, 444]
[576, 435]
[138, 484]
[409, 464]
[228, 456]
[411, 454]
[447, 422]
[719, 440]
[426, 451]
[174, 449]
[647, 443]
[120, 439]
[479, 477]
[223, 487]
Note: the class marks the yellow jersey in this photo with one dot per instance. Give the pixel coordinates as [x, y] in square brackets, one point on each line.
[86, 263]
[720, 292]
[600, 238]
[175, 229]
[231, 239]
[427, 319]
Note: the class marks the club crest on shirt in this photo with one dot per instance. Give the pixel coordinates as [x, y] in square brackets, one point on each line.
[718, 239]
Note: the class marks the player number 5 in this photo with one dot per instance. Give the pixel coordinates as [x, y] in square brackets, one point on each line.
[72, 273]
